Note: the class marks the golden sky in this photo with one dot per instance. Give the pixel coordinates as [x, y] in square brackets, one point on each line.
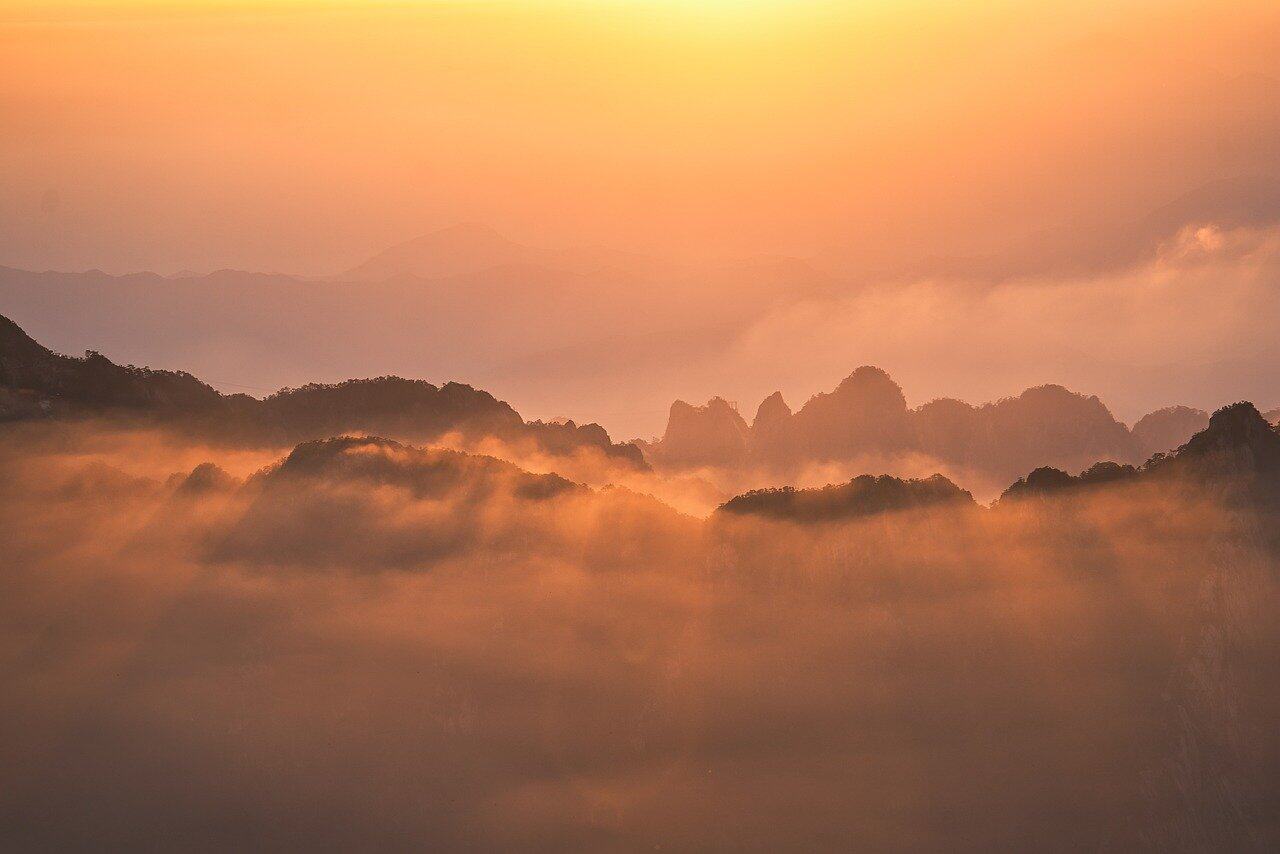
[305, 136]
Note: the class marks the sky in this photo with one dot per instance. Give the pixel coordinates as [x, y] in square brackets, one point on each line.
[985, 197]
[305, 137]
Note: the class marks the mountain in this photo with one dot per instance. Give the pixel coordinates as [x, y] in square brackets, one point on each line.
[1239, 202]
[371, 504]
[863, 496]
[1166, 429]
[867, 414]
[1238, 451]
[712, 434]
[35, 381]
[472, 248]
[1237, 455]
[38, 383]
[570, 330]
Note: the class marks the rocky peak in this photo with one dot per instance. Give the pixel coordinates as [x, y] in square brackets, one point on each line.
[711, 434]
[773, 410]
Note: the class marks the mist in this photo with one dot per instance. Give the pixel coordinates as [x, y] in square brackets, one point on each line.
[365, 643]
[408, 493]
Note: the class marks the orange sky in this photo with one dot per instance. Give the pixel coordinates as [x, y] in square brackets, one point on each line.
[305, 136]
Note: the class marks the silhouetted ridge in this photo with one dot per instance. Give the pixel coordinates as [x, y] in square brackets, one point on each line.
[1238, 440]
[867, 415]
[35, 383]
[863, 496]
[389, 405]
[1238, 450]
[1047, 481]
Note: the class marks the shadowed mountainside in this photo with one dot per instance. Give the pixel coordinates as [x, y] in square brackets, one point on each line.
[1238, 449]
[38, 383]
[866, 495]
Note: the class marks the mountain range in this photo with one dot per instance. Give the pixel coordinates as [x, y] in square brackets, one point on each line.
[867, 415]
[37, 383]
[1044, 429]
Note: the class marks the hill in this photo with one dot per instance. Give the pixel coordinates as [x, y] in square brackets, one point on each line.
[37, 383]
[865, 495]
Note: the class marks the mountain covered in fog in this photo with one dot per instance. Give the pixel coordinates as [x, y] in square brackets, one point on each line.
[865, 495]
[1236, 457]
[37, 383]
[867, 416]
[1239, 448]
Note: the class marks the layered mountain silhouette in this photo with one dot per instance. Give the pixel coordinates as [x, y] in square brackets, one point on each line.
[559, 325]
[867, 415]
[37, 383]
[1239, 450]
[1236, 456]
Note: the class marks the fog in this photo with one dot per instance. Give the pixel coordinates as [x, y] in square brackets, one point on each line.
[472, 249]
[372, 645]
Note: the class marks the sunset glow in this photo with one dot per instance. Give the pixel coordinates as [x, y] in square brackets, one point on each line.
[639, 425]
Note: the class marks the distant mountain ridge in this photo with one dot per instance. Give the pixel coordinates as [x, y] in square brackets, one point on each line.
[867, 414]
[1239, 448]
[471, 248]
[1236, 456]
[37, 383]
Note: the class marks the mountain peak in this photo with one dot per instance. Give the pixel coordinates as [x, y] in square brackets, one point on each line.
[773, 410]
[1237, 433]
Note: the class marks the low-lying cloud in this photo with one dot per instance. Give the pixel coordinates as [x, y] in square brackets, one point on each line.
[395, 648]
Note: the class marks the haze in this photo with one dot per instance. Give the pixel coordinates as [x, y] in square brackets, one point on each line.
[304, 137]
[640, 425]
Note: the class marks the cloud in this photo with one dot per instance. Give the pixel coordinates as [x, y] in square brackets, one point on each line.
[1192, 326]
[396, 647]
